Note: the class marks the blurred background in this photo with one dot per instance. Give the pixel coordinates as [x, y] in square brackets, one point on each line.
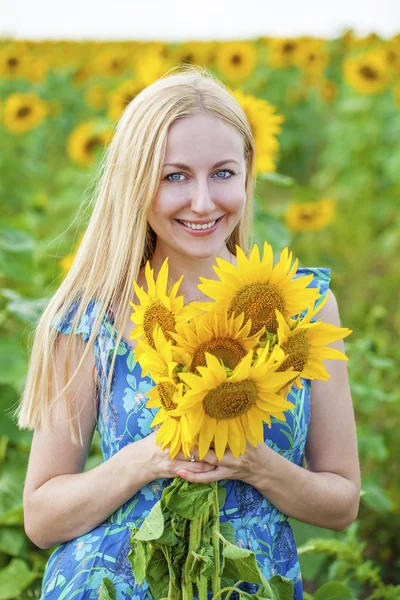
[321, 88]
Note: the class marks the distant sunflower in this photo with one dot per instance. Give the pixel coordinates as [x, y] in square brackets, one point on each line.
[173, 431]
[310, 216]
[228, 409]
[392, 51]
[96, 96]
[193, 53]
[121, 97]
[367, 74]
[236, 60]
[15, 62]
[150, 64]
[226, 338]
[86, 139]
[23, 112]
[312, 55]
[304, 344]
[282, 52]
[158, 306]
[66, 262]
[328, 90]
[112, 62]
[265, 125]
[257, 287]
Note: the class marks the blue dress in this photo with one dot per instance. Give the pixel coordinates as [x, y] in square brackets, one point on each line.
[76, 568]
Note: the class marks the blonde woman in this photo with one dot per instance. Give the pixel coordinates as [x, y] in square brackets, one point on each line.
[182, 156]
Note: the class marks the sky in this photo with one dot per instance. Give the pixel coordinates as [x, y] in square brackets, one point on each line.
[181, 20]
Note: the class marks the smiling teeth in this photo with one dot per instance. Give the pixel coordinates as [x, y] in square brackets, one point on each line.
[195, 226]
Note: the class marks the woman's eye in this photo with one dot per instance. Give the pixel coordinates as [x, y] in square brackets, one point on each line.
[222, 171]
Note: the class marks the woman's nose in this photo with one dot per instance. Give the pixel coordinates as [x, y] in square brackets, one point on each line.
[202, 201]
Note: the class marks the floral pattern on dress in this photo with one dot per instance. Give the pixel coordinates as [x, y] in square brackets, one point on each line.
[76, 568]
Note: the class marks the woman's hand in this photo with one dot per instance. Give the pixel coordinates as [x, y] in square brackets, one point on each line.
[248, 467]
[162, 466]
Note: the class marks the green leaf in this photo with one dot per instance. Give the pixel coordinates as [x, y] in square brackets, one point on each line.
[189, 500]
[24, 309]
[15, 240]
[240, 563]
[13, 516]
[277, 179]
[138, 556]
[375, 498]
[153, 525]
[280, 588]
[14, 579]
[333, 591]
[107, 590]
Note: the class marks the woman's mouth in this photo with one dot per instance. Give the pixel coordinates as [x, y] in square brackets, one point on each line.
[199, 230]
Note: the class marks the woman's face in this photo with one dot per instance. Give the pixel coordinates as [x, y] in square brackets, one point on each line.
[206, 184]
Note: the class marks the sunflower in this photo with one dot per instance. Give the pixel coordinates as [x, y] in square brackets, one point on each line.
[15, 62]
[310, 216]
[229, 408]
[157, 306]
[282, 52]
[87, 138]
[328, 90]
[23, 112]
[369, 73]
[236, 60]
[257, 287]
[96, 96]
[174, 430]
[66, 262]
[121, 97]
[150, 64]
[304, 344]
[312, 55]
[112, 61]
[265, 125]
[161, 360]
[226, 338]
[193, 53]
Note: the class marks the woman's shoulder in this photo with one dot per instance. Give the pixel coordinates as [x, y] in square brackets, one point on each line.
[64, 320]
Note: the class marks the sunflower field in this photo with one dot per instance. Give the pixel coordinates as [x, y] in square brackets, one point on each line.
[325, 114]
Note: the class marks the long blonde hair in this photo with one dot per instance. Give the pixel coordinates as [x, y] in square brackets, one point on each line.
[118, 240]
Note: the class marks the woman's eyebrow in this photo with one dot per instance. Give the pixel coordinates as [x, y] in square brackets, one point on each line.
[217, 164]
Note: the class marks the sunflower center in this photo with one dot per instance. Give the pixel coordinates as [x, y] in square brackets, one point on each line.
[157, 314]
[288, 48]
[298, 349]
[92, 144]
[236, 59]
[23, 112]
[228, 350]
[230, 400]
[258, 301]
[165, 393]
[368, 72]
[12, 62]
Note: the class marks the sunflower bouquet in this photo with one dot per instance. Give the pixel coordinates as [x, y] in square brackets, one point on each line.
[221, 369]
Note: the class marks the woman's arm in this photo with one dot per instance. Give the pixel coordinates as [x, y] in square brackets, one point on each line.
[327, 493]
[61, 502]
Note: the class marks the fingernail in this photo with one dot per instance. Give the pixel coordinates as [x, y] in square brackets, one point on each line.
[182, 474]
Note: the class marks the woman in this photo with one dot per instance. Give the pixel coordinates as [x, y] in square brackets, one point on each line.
[181, 159]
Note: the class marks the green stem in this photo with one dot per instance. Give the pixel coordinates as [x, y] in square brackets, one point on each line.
[216, 582]
[194, 540]
[203, 579]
